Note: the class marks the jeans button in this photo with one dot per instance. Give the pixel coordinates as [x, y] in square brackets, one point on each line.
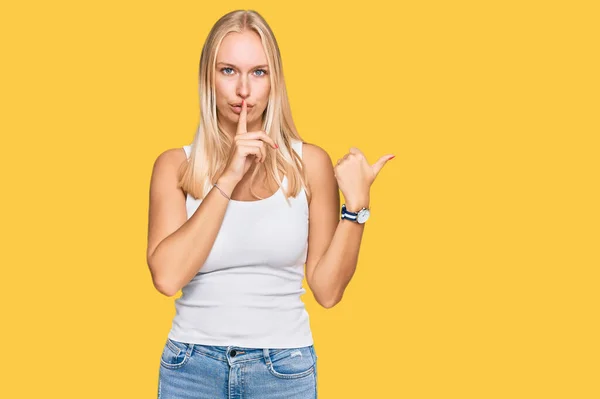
[233, 353]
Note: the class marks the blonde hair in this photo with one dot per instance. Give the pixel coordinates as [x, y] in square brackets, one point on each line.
[211, 146]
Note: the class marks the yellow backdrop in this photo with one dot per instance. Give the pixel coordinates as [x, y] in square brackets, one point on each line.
[478, 273]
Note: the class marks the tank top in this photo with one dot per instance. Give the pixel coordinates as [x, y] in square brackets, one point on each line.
[248, 291]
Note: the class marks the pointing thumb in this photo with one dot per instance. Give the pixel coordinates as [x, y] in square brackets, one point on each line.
[380, 162]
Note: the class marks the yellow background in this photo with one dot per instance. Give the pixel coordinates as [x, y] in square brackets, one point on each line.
[478, 272]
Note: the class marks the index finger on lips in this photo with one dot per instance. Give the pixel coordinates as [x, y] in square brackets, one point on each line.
[241, 127]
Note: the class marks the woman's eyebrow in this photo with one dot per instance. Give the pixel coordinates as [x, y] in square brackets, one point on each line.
[227, 63]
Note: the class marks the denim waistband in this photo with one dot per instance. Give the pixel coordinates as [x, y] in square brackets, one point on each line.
[236, 354]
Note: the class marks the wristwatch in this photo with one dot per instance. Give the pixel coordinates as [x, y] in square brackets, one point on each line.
[358, 217]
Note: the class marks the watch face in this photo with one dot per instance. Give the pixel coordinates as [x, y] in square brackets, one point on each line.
[363, 216]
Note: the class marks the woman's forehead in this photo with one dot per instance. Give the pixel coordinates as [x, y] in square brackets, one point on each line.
[242, 50]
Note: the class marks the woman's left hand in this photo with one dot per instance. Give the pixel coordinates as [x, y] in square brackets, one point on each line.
[355, 177]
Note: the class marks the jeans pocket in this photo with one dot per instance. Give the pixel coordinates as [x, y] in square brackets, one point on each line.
[291, 363]
[175, 354]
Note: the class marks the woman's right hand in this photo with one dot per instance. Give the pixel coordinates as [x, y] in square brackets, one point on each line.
[247, 147]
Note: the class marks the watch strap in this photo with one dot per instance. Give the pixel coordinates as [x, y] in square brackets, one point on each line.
[349, 215]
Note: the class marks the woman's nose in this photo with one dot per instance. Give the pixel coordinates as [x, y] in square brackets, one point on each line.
[243, 87]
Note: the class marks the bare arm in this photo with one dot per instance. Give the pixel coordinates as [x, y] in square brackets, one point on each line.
[177, 246]
[334, 244]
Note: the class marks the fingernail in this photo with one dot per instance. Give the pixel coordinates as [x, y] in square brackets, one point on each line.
[276, 146]
[393, 157]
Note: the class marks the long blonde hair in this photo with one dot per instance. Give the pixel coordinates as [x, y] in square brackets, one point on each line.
[211, 146]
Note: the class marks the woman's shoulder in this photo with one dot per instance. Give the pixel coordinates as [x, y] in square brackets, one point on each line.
[171, 158]
[317, 163]
[313, 154]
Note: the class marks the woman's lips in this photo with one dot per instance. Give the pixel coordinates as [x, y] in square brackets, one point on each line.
[238, 109]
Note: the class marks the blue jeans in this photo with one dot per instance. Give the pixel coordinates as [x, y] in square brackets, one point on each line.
[193, 371]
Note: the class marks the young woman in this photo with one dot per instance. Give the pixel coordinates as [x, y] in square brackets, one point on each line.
[229, 226]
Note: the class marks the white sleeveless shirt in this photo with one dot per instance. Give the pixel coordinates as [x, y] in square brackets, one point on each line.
[248, 291]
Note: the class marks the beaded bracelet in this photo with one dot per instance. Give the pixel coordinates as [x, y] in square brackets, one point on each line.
[222, 192]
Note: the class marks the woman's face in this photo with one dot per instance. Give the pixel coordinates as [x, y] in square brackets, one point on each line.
[241, 73]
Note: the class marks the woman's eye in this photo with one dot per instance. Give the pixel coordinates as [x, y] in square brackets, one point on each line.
[264, 72]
